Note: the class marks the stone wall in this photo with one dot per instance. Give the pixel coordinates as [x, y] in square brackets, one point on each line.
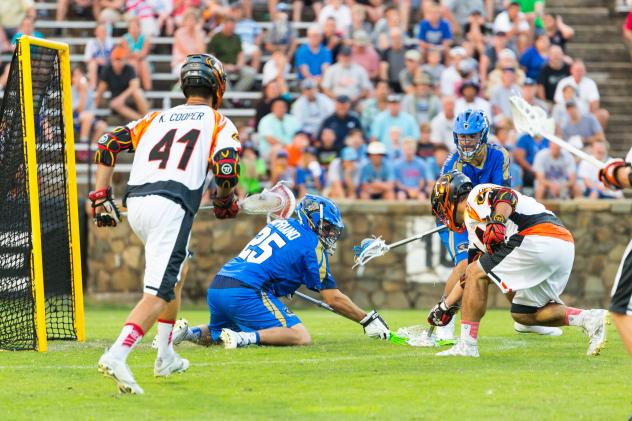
[407, 277]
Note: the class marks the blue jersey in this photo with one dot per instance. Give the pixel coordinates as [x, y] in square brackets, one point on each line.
[494, 169]
[283, 256]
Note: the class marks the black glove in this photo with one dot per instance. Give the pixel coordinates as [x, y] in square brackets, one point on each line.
[104, 210]
[225, 207]
[441, 314]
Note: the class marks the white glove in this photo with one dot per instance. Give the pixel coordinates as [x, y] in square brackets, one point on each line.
[375, 326]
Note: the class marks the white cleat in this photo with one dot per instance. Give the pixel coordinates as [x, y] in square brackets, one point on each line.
[594, 324]
[445, 334]
[540, 330]
[118, 371]
[231, 339]
[178, 334]
[461, 349]
[174, 363]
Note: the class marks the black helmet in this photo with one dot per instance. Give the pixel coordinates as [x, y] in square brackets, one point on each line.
[204, 71]
[446, 194]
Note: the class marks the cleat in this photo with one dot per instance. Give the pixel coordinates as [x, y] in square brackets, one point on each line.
[540, 330]
[179, 333]
[445, 334]
[119, 371]
[594, 324]
[174, 363]
[461, 349]
[231, 339]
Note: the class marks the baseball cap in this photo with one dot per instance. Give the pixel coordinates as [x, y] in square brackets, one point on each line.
[393, 98]
[348, 154]
[118, 53]
[458, 51]
[571, 103]
[308, 84]
[282, 154]
[345, 50]
[343, 98]
[376, 148]
[412, 55]
[469, 84]
[529, 82]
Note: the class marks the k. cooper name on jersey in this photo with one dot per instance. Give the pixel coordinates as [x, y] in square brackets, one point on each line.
[181, 117]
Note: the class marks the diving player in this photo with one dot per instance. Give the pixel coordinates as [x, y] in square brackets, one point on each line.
[482, 163]
[520, 246]
[285, 254]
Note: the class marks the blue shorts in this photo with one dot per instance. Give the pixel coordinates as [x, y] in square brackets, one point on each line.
[456, 244]
[246, 310]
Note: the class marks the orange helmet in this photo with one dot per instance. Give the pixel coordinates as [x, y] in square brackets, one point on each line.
[447, 192]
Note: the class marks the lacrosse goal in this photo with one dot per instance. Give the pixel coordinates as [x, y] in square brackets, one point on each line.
[40, 265]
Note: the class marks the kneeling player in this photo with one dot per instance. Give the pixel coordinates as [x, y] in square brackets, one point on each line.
[285, 254]
[519, 245]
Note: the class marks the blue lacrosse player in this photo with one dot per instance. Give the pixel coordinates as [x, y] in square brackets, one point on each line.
[482, 163]
[243, 298]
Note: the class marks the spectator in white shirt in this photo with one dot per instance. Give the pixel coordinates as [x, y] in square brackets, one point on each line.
[513, 23]
[555, 174]
[450, 78]
[441, 127]
[312, 107]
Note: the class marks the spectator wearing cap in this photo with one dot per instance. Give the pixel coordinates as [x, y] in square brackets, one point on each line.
[527, 147]
[346, 78]
[252, 169]
[339, 11]
[422, 103]
[470, 99]
[499, 99]
[433, 66]
[410, 173]
[451, 77]
[534, 58]
[551, 73]
[312, 58]
[442, 126]
[363, 53]
[377, 178]
[276, 68]
[343, 175]
[627, 32]
[507, 58]
[226, 46]
[393, 116]
[281, 34]
[577, 123]
[407, 74]
[558, 32]
[433, 30]
[555, 175]
[374, 105]
[280, 169]
[276, 129]
[342, 121]
[513, 23]
[589, 175]
[126, 95]
[308, 174]
[250, 33]
[587, 91]
[311, 108]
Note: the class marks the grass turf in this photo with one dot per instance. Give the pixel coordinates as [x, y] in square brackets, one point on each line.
[343, 375]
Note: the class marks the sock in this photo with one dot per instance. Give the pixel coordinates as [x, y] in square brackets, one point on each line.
[249, 338]
[469, 332]
[131, 334]
[165, 329]
[573, 316]
[193, 334]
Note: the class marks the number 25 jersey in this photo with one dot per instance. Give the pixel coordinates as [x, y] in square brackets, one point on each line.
[174, 149]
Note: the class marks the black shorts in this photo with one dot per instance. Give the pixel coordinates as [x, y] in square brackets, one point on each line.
[622, 289]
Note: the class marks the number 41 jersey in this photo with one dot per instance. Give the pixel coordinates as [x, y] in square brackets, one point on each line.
[173, 152]
[282, 256]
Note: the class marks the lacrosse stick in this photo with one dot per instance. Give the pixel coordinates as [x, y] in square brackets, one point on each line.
[373, 247]
[278, 202]
[418, 336]
[532, 119]
[392, 337]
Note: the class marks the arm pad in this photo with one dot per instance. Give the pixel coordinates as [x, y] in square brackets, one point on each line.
[226, 168]
[110, 144]
[505, 195]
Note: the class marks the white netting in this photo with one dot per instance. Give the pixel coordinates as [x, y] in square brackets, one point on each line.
[368, 249]
[278, 202]
[418, 335]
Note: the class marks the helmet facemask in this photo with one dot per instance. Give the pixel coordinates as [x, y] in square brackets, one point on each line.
[445, 202]
[469, 146]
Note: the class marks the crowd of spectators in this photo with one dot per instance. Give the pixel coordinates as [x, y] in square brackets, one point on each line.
[363, 106]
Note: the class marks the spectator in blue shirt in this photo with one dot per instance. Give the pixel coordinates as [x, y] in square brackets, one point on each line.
[27, 27]
[393, 117]
[434, 30]
[526, 149]
[312, 58]
[377, 179]
[534, 58]
[410, 173]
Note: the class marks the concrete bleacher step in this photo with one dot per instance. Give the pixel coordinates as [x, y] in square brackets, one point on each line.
[581, 15]
[590, 33]
[560, 4]
[603, 52]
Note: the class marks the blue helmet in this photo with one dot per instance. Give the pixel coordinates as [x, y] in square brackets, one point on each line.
[322, 216]
[470, 122]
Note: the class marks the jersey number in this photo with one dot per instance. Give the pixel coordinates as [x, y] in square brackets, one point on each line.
[162, 150]
[260, 248]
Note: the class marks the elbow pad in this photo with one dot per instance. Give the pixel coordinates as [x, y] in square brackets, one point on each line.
[504, 195]
[110, 144]
[226, 168]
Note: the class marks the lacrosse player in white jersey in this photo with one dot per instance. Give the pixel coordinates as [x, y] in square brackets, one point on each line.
[520, 246]
[617, 174]
[174, 150]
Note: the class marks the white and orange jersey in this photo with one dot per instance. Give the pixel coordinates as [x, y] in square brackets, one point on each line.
[529, 218]
[174, 149]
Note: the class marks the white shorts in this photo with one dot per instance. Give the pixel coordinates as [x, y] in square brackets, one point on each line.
[535, 267]
[165, 229]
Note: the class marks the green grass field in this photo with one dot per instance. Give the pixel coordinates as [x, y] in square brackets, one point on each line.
[343, 375]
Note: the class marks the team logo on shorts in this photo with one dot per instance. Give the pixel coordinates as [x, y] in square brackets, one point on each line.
[226, 169]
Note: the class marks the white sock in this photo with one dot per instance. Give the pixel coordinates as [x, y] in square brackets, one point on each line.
[165, 329]
[131, 334]
[248, 338]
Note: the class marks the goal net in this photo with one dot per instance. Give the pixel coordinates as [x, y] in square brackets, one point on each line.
[40, 273]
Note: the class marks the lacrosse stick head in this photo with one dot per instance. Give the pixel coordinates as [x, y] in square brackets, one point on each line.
[369, 248]
[417, 335]
[278, 202]
[529, 118]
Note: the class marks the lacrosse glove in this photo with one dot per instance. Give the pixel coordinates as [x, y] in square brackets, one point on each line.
[104, 210]
[441, 314]
[225, 207]
[374, 326]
